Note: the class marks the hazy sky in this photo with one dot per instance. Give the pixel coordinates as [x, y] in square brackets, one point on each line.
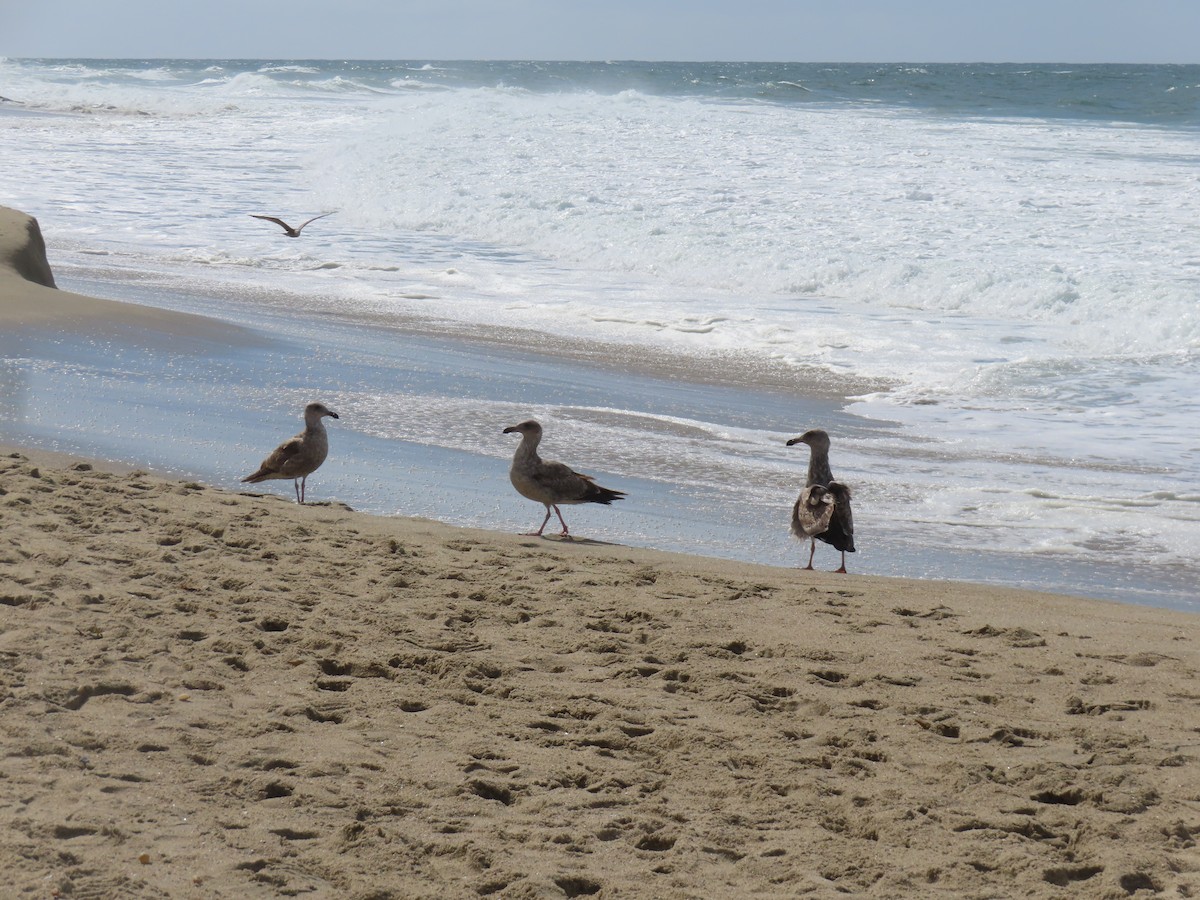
[792, 30]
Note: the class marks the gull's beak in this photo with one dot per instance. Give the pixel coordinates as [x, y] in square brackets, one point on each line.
[335, 415]
[510, 429]
[794, 441]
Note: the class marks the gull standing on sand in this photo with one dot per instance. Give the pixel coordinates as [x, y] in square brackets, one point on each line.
[288, 229]
[300, 456]
[823, 508]
[550, 483]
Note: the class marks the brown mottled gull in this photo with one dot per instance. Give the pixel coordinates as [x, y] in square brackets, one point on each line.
[288, 229]
[823, 508]
[300, 456]
[551, 483]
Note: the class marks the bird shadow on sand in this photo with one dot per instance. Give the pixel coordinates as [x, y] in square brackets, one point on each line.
[316, 504]
[572, 539]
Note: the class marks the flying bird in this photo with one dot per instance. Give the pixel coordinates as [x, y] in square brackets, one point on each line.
[551, 483]
[288, 229]
[298, 457]
[823, 508]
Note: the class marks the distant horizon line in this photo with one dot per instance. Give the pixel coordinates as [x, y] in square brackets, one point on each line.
[610, 61]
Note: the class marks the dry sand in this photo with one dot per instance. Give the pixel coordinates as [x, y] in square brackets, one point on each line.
[209, 694]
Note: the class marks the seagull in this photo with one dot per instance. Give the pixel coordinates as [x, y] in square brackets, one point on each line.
[551, 483]
[288, 229]
[300, 456]
[823, 508]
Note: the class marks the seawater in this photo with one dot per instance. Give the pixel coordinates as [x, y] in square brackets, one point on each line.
[998, 262]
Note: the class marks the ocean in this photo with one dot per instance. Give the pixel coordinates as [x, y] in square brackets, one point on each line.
[983, 280]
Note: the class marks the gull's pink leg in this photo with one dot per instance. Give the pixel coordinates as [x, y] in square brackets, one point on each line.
[538, 533]
[565, 532]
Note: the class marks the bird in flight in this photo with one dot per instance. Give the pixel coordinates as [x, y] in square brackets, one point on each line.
[288, 229]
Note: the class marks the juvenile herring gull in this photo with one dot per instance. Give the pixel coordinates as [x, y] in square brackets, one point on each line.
[288, 229]
[823, 508]
[551, 483]
[298, 457]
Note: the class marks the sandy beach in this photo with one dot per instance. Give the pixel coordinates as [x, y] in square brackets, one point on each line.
[209, 693]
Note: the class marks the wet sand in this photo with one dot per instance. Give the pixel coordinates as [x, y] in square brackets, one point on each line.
[422, 410]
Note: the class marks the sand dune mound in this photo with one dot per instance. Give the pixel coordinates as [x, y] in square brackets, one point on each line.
[22, 249]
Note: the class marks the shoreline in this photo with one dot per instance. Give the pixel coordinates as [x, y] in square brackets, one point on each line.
[737, 370]
[60, 461]
[234, 694]
[524, 514]
[205, 406]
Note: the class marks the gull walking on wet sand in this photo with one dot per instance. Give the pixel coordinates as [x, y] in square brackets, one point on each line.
[288, 229]
[300, 456]
[551, 483]
[823, 508]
